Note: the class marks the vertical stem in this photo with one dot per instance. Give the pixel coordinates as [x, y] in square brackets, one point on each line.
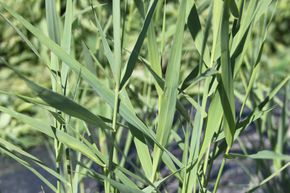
[117, 72]
[117, 37]
[57, 165]
[117, 55]
[220, 172]
[205, 164]
[53, 32]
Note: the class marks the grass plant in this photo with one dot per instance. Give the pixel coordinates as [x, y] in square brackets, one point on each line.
[130, 81]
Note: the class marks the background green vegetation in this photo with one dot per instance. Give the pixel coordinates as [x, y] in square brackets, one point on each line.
[111, 100]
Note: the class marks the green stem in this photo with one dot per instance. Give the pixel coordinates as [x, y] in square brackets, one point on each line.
[220, 172]
[205, 164]
[117, 73]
